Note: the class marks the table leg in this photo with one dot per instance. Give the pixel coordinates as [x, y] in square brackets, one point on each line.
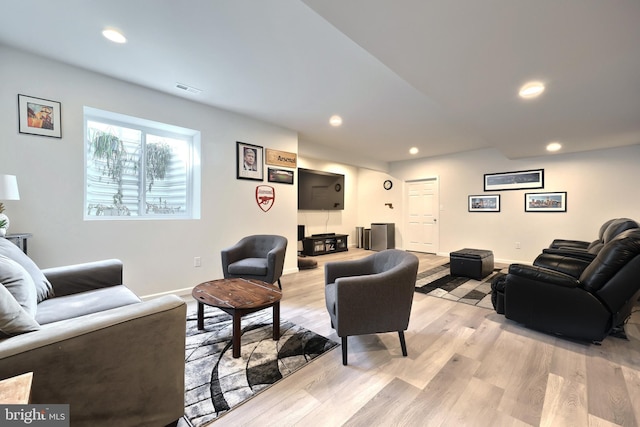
[276, 321]
[200, 315]
[236, 334]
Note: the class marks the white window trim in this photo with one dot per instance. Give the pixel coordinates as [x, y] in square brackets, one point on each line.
[194, 174]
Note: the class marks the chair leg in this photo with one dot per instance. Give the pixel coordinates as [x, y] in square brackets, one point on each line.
[279, 284]
[403, 344]
[344, 351]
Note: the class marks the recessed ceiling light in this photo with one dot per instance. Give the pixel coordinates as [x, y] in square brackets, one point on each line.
[335, 121]
[413, 150]
[554, 146]
[114, 35]
[531, 90]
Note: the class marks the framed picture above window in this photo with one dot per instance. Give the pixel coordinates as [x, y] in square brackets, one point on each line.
[520, 180]
[545, 202]
[249, 161]
[484, 203]
[39, 116]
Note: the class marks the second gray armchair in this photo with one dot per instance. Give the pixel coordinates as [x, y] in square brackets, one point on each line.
[259, 257]
[371, 295]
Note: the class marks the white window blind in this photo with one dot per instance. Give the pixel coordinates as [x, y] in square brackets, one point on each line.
[139, 169]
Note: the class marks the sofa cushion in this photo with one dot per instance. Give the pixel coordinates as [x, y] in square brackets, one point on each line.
[19, 283]
[249, 266]
[43, 287]
[14, 319]
[83, 303]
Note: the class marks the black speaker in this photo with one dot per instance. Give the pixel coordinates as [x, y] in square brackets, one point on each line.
[300, 233]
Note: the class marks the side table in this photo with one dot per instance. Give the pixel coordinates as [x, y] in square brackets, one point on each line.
[16, 390]
[20, 240]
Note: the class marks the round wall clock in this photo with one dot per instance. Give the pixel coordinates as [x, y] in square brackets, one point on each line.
[387, 184]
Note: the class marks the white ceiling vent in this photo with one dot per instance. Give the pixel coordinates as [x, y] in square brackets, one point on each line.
[188, 88]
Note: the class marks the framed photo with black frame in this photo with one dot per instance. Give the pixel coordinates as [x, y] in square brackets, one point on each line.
[519, 180]
[484, 203]
[38, 116]
[281, 176]
[545, 202]
[249, 161]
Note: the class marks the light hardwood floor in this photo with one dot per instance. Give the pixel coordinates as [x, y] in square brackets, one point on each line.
[467, 366]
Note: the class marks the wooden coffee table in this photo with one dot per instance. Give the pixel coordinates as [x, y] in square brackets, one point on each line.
[238, 297]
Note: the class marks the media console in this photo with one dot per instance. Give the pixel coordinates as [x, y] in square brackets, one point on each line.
[320, 244]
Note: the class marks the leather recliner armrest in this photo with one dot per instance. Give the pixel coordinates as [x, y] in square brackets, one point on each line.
[564, 264]
[582, 254]
[540, 274]
[563, 243]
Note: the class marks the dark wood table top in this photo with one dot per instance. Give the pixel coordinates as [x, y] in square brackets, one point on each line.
[237, 293]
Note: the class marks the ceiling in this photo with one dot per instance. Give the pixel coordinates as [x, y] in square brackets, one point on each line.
[440, 75]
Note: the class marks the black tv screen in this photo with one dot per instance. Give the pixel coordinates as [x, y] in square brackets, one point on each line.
[319, 190]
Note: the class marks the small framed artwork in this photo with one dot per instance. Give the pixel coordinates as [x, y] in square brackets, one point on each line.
[38, 116]
[484, 203]
[545, 202]
[521, 180]
[281, 176]
[249, 161]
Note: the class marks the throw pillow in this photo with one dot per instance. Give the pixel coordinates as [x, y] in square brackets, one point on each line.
[19, 283]
[43, 287]
[13, 319]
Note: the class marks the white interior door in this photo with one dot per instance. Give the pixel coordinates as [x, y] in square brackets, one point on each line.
[421, 226]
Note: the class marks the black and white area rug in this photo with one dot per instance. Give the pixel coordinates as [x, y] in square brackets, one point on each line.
[215, 382]
[439, 283]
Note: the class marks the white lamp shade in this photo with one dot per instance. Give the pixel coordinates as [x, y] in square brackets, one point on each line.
[9, 188]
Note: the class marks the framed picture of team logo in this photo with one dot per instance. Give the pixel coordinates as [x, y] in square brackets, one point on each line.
[249, 161]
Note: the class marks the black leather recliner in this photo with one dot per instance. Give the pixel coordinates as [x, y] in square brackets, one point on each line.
[580, 244]
[573, 260]
[587, 307]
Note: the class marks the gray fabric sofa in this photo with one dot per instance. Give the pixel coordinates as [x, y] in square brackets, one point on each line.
[117, 361]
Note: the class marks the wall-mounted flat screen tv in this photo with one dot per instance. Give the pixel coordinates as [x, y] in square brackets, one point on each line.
[319, 190]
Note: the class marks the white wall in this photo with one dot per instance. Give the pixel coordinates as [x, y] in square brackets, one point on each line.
[600, 185]
[158, 255]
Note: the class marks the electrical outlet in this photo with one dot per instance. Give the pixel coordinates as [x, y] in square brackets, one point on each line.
[197, 262]
[517, 245]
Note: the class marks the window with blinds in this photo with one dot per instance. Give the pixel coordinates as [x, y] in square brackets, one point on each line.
[136, 168]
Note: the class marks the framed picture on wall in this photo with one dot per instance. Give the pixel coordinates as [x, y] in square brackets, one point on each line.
[484, 203]
[38, 116]
[520, 180]
[282, 176]
[249, 161]
[545, 202]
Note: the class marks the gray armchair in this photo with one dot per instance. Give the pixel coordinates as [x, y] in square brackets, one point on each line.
[259, 257]
[371, 295]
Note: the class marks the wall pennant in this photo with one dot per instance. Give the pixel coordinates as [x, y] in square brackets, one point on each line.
[265, 196]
